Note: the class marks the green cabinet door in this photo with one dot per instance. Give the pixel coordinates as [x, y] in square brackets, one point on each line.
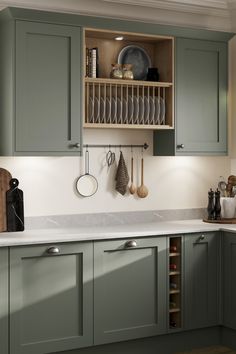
[201, 280]
[229, 279]
[129, 289]
[200, 101]
[4, 336]
[51, 298]
[201, 90]
[48, 101]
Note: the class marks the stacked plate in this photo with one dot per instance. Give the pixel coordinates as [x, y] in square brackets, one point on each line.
[146, 110]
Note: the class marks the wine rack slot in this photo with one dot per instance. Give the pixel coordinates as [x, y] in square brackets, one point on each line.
[175, 271]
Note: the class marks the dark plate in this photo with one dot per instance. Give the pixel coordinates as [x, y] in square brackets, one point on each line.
[138, 57]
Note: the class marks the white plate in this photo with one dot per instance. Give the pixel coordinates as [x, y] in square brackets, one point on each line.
[119, 111]
[130, 109]
[157, 111]
[136, 109]
[102, 110]
[162, 111]
[141, 110]
[113, 110]
[152, 110]
[125, 111]
[108, 111]
[146, 110]
[96, 110]
[91, 110]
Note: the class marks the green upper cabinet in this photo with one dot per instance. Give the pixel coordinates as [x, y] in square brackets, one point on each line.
[4, 305]
[201, 101]
[130, 279]
[201, 280]
[51, 301]
[46, 94]
[201, 89]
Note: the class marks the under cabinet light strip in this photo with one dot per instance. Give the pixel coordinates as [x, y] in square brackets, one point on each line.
[144, 146]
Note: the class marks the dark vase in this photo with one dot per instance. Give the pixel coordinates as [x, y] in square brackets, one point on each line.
[152, 74]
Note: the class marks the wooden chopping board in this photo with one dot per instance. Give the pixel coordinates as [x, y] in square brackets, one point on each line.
[221, 221]
[5, 178]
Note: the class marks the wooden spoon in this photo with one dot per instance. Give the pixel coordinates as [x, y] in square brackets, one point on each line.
[142, 190]
[132, 188]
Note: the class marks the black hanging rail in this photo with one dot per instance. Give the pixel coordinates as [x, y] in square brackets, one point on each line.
[144, 146]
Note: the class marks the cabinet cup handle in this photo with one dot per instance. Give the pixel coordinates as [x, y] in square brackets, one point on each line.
[202, 237]
[131, 244]
[76, 145]
[53, 250]
[180, 146]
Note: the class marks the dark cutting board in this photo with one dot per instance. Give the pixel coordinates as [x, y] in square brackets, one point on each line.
[5, 178]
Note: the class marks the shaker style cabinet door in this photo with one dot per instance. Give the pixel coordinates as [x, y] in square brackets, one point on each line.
[129, 289]
[201, 90]
[51, 301]
[201, 280]
[48, 89]
[229, 279]
[4, 305]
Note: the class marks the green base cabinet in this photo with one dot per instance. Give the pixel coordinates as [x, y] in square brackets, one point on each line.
[4, 322]
[229, 279]
[44, 90]
[201, 280]
[129, 289]
[51, 298]
[201, 101]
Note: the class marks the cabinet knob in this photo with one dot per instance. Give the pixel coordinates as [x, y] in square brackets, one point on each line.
[180, 146]
[131, 244]
[53, 250]
[202, 237]
[76, 145]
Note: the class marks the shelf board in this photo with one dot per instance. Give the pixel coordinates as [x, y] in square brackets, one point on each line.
[174, 291]
[174, 272]
[127, 82]
[174, 254]
[126, 126]
[174, 310]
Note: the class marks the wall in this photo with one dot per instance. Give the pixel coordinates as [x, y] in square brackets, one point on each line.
[173, 182]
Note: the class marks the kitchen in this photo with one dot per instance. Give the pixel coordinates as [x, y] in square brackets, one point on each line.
[176, 184]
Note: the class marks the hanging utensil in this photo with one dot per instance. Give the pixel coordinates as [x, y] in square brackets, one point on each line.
[142, 190]
[110, 157]
[87, 184]
[132, 188]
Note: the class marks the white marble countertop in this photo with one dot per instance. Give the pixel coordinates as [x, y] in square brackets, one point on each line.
[90, 233]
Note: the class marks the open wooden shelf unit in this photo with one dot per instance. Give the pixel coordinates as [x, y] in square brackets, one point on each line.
[133, 104]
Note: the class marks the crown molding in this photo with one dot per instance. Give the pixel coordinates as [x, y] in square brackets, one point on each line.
[211, 7]
[206, 14]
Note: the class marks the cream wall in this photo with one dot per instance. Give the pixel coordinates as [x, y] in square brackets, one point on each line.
[173, 182]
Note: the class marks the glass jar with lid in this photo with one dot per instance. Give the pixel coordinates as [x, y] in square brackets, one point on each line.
[128, 72]
[116, 71]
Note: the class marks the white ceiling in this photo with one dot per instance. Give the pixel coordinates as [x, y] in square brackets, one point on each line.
[210, 14]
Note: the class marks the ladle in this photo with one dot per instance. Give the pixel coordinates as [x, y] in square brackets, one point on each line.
[132, 188]
[142, 190]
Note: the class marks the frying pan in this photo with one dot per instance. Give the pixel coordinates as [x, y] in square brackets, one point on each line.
[86, 184]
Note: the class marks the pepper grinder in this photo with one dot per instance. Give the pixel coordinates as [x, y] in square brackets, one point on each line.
[217, 205]
[211, 206]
